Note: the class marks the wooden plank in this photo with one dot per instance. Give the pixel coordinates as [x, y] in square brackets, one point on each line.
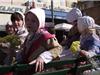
[58, 72]
[5, 69]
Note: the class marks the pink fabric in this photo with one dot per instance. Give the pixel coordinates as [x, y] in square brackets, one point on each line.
[41, 32]
[37, 43]
[47, 36]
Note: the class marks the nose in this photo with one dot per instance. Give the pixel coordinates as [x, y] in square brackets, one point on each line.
[28, 24]
[16, 22]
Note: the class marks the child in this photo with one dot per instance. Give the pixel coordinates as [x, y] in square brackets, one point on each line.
[40, 46]
[73, 34]
[89, 40]
[16, 27]
[10, 30]
[17, 19]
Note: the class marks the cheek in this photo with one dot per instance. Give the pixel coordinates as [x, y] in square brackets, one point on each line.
[80, 29]
[35, 27]
[21, 23]
[27, 21]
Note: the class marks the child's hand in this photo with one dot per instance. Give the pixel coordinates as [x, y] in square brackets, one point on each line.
[39, 64]
[84, 53]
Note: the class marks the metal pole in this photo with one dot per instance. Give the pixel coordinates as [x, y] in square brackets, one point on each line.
[11, 2]
[52, 14]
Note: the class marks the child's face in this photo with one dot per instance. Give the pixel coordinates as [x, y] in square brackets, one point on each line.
[18, 23]
[31, 22]
[10, 30]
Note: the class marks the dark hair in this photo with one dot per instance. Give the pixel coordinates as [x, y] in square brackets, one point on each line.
[16, 16]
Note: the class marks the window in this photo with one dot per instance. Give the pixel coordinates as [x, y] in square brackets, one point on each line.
[39, 1]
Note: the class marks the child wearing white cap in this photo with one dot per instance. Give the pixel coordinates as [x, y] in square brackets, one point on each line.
[73, 34]
[40, 46]
[16, 27]
[89, 40]
[17, 19]
[73, 15]
[72, 18]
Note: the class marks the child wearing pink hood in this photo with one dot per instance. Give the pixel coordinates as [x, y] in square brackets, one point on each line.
[40, 46]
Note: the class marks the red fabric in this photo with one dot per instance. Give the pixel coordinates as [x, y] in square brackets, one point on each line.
[37, 43]
[47, 36]
[35, 46]
[10, 73]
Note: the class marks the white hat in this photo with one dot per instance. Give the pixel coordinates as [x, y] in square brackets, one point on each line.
[22, 14]
[40, 14]
[86, 22]
[73, 15]
[49, 24]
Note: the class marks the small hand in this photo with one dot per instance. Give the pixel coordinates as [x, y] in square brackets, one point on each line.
[83, 53]
[39, 64]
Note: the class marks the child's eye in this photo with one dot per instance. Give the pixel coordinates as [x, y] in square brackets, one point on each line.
[18, 19]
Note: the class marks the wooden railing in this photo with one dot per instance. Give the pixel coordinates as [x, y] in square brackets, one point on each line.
[60, 65]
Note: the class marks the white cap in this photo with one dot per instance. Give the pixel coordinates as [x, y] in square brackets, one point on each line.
[73, 15]
[86, 22]
[49, 24]
[40, 14]
[63, 26]
[21, 13]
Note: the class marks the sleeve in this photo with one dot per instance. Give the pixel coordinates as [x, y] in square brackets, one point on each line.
[91, 47]
[46, 56]
[53, 47]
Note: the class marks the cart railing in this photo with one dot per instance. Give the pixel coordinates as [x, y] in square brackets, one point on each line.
[60, 65]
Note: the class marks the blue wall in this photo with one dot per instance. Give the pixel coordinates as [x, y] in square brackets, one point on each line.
[57, 14]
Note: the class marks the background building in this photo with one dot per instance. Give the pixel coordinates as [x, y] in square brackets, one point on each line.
[13, 2]
[91, 8]
[9, 6]
[57, 4]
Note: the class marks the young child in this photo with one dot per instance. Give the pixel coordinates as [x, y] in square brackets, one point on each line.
[40, 46]
[16, 27]
[10, 30]
[89, 40]
[18, 24]
[73, 34]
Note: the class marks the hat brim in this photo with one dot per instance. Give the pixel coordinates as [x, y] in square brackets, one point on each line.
[97, 26]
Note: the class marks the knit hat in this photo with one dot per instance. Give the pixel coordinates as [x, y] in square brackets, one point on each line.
[73, 15]
[86, 22]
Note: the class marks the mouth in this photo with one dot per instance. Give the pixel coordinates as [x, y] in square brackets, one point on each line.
[28, 27]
